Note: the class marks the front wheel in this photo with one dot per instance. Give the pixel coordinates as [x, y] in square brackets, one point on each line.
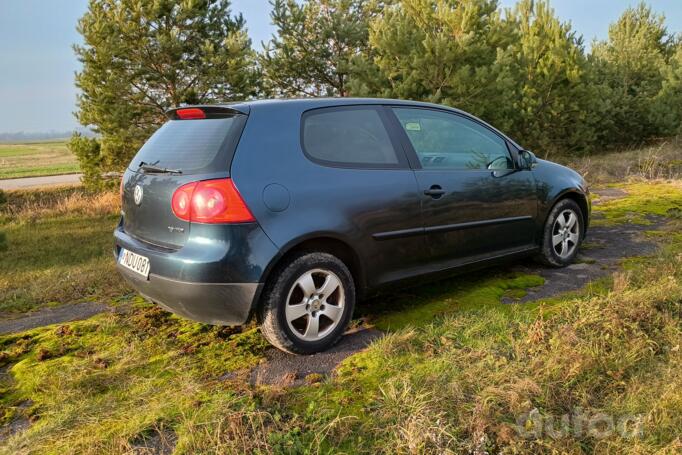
[308, 304]
[562, 234]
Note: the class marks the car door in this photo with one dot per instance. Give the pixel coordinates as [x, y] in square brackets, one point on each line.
[476, 202]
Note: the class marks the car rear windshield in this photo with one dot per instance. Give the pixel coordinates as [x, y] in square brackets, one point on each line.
[192, 146]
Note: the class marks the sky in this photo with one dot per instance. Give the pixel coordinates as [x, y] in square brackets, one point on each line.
[37, 63]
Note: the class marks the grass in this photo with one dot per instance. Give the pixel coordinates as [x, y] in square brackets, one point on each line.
[97, 386]
[57, 248]
[659, 161]
[456, 372]
[35, 159]
[464, 381]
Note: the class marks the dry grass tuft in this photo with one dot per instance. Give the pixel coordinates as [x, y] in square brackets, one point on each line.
[621, 281]
[661, 161]
[417, 422]
[34, 205]
[231, 433]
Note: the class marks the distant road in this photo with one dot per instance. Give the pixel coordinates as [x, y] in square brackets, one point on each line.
[40, 182]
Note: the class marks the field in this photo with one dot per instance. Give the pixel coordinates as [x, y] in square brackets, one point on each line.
[456, 370]
[58, 246]
[35, 159]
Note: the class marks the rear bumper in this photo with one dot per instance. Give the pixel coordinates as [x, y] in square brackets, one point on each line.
[215, 278]
[210, 303]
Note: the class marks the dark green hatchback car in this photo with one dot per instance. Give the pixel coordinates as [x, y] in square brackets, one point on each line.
[291, 210]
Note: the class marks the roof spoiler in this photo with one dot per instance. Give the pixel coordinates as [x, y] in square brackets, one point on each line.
[206, 111]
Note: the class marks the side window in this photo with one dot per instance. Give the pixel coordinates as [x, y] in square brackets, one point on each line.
[353, 136]
[449, 141]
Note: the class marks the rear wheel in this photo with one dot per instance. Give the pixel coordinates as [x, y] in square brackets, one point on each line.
[308, 304]
[562, 234]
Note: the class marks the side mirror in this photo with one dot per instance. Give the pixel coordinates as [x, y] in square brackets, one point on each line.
[528, 159]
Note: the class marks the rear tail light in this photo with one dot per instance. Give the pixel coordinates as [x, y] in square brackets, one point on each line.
[210, 201]
[182, 200]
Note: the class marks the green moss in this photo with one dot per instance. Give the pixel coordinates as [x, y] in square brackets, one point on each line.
[458, 294]
[113, 376]
[644, 200]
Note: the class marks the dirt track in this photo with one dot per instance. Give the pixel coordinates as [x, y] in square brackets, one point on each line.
[49, 316]
[40, 182]
[604, 249]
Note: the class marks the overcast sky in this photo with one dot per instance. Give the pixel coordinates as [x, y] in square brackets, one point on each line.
[37, 63]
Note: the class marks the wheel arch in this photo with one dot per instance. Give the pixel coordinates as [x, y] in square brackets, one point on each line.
[579, 198]
[324, 243]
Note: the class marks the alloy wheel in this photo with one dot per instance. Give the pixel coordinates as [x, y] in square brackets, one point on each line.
[565, 233]
[315, 304]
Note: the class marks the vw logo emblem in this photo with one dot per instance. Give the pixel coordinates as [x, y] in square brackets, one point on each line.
[137, 195]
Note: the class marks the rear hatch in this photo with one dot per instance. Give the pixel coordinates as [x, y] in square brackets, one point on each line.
[195, 144]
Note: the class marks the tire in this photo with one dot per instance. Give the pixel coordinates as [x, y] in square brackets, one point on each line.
[319, 288]
[562, 234]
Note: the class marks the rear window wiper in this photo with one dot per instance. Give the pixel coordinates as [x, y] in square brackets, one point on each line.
[154, 169]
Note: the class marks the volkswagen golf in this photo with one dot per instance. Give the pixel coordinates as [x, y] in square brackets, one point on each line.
[289, 211]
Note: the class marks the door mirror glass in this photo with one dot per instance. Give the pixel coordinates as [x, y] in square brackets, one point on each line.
[528, 159]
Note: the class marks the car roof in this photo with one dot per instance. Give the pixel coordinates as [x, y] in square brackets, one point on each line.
[311, 103]
[303, 104]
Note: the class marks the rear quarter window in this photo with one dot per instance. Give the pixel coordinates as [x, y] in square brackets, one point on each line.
[353, 136]
[192, 146]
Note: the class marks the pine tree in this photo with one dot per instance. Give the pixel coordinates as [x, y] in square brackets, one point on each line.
[314, 46]
[552, 98]
[669, 100]
[141, 57]
[629, 68]
[443, 51]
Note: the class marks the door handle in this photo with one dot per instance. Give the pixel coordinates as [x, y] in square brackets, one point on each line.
[502, 172]
[435, 191]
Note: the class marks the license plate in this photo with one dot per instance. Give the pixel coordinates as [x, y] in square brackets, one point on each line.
[135, 262]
